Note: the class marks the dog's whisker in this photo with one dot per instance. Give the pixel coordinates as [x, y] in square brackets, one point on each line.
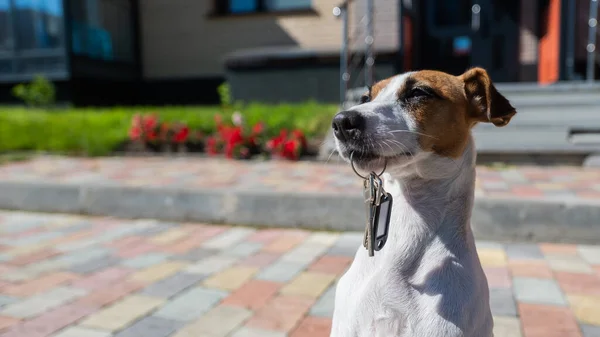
[413, 132]
[404, 148]
[330, 155]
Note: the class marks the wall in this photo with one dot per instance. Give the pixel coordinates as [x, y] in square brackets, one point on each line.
[180, 38]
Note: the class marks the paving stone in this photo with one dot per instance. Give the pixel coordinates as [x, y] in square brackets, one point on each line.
[280, 271]
[260, 260]
[76, 245]
[103, 278]
[538, 291]
[51, 321]
[39, 285]
[173, 285]
[211, 265]
[586, 308]
[252, 332]
[76, 331]
[503, 303]
[191, 304]
[35, 239]
[590, 330]
[325, 304]
[490, 257]
[523, 251]
[154, 230]
[323, 238]
[4, 300]
[158, 272]
[38, 256]
[312, 327]
[151, 326]
[572, 264]
[75, 227]
[346, 245]
[507, 327]
[331, 264]
[281, 313]
[553, 249]
[111, 294]
[578, 283]
[169, 236]
[196, 254]
[547, 321]
[38, 304]
[228, 238]
[123, 313]
[485, 244]
[309, 284]
[284, 243]
[145, 261]
[590, 254]
[498, 277]
[231, 278]
[243, 249]
[83, 256]
[7, 322]
[253, 295]
[305, 253]
[219, 322]
[95, 265]
[530, 268]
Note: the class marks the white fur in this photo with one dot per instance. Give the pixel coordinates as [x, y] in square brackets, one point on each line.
[427, 281]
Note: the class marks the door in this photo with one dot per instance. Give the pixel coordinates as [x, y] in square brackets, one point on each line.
[459, 34]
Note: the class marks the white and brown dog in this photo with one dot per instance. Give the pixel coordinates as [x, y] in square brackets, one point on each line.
[427, 281]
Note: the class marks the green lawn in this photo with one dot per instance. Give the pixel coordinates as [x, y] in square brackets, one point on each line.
[99, 131]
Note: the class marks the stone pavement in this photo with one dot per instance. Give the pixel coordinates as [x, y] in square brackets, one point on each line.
[531, 182]
[74, 276]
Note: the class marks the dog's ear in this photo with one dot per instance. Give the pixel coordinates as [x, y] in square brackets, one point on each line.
[487, 104]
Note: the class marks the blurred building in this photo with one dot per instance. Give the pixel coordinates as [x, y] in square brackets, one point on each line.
[179, 51]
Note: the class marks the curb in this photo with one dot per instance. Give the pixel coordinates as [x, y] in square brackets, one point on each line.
[493, 218]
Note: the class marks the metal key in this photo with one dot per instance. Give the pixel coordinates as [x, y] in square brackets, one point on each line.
[374, 187]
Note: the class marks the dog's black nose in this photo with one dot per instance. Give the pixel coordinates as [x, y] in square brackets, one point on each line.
[347, 124]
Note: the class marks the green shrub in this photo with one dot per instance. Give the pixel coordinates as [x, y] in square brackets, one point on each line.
[97, 131]
[39, 93]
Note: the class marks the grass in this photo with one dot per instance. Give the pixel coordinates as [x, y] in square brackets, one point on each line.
[100, 131]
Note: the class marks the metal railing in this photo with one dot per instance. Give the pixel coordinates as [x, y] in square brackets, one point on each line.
[351, 60]
[591, 46]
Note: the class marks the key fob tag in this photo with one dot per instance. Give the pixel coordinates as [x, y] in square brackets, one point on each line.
[381, 220]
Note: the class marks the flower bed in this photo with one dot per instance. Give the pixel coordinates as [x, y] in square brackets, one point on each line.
[232, 140]
[105, 131]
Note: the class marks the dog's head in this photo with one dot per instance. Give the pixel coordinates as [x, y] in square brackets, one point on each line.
[414, 116]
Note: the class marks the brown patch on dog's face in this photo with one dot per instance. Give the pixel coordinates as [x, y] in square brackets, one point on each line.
[445, 107]
[441, 115]
[376, 89]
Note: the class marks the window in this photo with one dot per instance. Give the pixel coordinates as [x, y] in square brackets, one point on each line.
[260, 6]
[38, 24]
[5, 27]
[102, 29]
[31, 38]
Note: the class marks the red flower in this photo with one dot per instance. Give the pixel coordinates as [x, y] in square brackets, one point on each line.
[151, 135]
[297, 134]
[149, 122]
[211, 146]
[135, 132]
[181, 135]
[258, 128]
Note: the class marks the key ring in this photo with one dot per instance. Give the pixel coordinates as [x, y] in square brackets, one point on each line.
[358, 174]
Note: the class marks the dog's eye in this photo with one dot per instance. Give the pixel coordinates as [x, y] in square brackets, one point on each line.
[418, 92]
[364, 99]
